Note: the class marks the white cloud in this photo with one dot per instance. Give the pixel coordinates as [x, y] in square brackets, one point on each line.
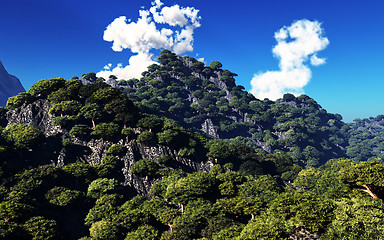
[137, 64]
[145, 34]
[296, 49]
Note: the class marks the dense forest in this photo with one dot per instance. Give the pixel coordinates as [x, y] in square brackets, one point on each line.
[184, 153]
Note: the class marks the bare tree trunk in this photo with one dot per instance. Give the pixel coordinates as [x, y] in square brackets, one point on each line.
[170, 227]
[369, 191]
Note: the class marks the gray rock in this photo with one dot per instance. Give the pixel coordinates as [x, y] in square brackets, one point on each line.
[35, 114]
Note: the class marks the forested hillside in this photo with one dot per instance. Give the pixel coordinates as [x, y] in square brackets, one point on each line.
[207, 98]
[183, 153]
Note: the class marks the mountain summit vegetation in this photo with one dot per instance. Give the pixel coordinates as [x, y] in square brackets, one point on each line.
[184, 153]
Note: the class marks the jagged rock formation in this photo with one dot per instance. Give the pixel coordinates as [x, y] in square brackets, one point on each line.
[94, 150]
[36, 114]
[9, 85]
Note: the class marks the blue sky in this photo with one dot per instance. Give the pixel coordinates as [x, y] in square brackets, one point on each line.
[44, 39]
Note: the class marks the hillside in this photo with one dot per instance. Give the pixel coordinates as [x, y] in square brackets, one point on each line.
[207, 98]
[183, 153]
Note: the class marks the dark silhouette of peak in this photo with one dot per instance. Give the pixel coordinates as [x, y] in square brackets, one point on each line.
[9, 85]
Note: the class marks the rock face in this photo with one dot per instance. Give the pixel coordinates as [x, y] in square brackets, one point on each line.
[9, 85]
[92, 151]
[35, 114]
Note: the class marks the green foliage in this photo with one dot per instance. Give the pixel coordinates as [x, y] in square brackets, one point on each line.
[101, 186]
[104, 209]
[82, 172]
[215, 65]
[40, 228]
[79, 130]
[117, 150]
[67, 142]
[189, 188]
[150, 122]
[235, 198]
[367, 139]
[145, 167]
[62, 196]
[18, 100]
[147, 137]
[91, 111]
[106, 130]
[46, 86]
[22, 135]
[70, 107]
[264, 227]
[303, 209]
[357, 219]
[90, 76]
[143, 232]
[104, 230]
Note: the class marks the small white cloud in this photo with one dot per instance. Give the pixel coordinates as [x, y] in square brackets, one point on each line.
[317, 61]
[296, 45]
[142, 36]
[108, 66]
[137, 64]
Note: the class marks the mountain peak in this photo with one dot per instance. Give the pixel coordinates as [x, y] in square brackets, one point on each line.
[9, 85]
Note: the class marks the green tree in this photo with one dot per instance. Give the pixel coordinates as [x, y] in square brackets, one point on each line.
[215, 65]
[150, 122]
[40, 228]
[101, 186]
[79, 130]
[145, 167]
[106, 130]
[105, 207]
[70, 107]
[144, 232]
[90, 76]
[117, 150]
[366, 176]
[18, 100]
[62, 196]
[46, 86]
[91, 111]
[357, 218]
[22, 135]
[147, 137]
[104, 230]
[264, 227]
[193, 186]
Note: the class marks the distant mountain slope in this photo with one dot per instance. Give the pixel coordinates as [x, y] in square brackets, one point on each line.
[9, 85]
[367, 139]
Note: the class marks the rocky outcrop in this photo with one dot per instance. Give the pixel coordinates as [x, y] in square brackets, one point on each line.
[209, 129]
[9, 86]
[35, 114]
[303, 234]
[97, 149]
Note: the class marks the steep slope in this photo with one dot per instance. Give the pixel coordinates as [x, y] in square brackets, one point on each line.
[207, 98]
[9, 85]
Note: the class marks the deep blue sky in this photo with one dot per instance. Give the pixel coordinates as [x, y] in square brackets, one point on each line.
[63, 38]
